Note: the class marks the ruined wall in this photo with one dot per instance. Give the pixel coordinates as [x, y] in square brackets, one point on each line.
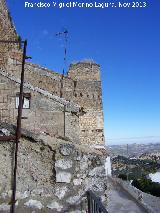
[7, 32]
[52, 175]
[44, 114]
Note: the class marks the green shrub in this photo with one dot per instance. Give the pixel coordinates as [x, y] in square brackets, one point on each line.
[146, 185]
[122, 176]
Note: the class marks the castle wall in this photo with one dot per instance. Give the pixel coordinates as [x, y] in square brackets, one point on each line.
[76, 87]
[91, 128]
[43, 115]
[84, 71]
[87, 93]
[7, 32]
[54, 172]
[36, 75]
[82, 85]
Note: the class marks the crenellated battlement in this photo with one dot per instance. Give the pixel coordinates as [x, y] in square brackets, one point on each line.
[84, 70]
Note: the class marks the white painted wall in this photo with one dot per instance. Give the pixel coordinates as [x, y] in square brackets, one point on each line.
[108, 166]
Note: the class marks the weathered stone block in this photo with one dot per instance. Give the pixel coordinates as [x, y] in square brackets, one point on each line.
[4, 207]
[66, 149]
[61, 191]
[64, 164]
[63, 177]
[98, 171]
[74, 199]
[55, 205]
[34, 204]
[5, 131]
[77, 182]
[84, 163]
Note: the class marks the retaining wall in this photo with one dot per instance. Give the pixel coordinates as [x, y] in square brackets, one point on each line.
[149, 202]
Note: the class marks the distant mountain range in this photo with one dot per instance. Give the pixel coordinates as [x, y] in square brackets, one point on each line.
[133, 150]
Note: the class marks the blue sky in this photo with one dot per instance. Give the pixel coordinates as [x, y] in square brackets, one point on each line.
[124, 41]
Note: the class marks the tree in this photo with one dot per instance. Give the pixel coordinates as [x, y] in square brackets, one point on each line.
[122, 176]
[146, 185]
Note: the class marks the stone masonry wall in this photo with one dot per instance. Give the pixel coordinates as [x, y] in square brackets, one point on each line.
[81, 85]
[44, 114]
[82, 71]
[91, 127]
[7, 32]
[86, 93]
[36, 75]
[53, 175]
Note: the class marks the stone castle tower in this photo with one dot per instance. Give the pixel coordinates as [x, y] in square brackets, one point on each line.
[88, 94]
[81, 86]
[7, 29]
[7, 32]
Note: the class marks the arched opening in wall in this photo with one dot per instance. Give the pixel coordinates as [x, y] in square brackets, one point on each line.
[81, 95]
[75, 95]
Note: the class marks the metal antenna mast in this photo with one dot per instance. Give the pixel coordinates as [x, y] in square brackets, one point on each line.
[127, 160]
[64, 34]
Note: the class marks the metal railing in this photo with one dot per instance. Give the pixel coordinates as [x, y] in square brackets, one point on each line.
[94, 204]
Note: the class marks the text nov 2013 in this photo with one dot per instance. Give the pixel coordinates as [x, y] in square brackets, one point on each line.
[75, 4]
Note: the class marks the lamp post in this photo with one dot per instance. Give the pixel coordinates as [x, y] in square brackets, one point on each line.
[18, 129]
